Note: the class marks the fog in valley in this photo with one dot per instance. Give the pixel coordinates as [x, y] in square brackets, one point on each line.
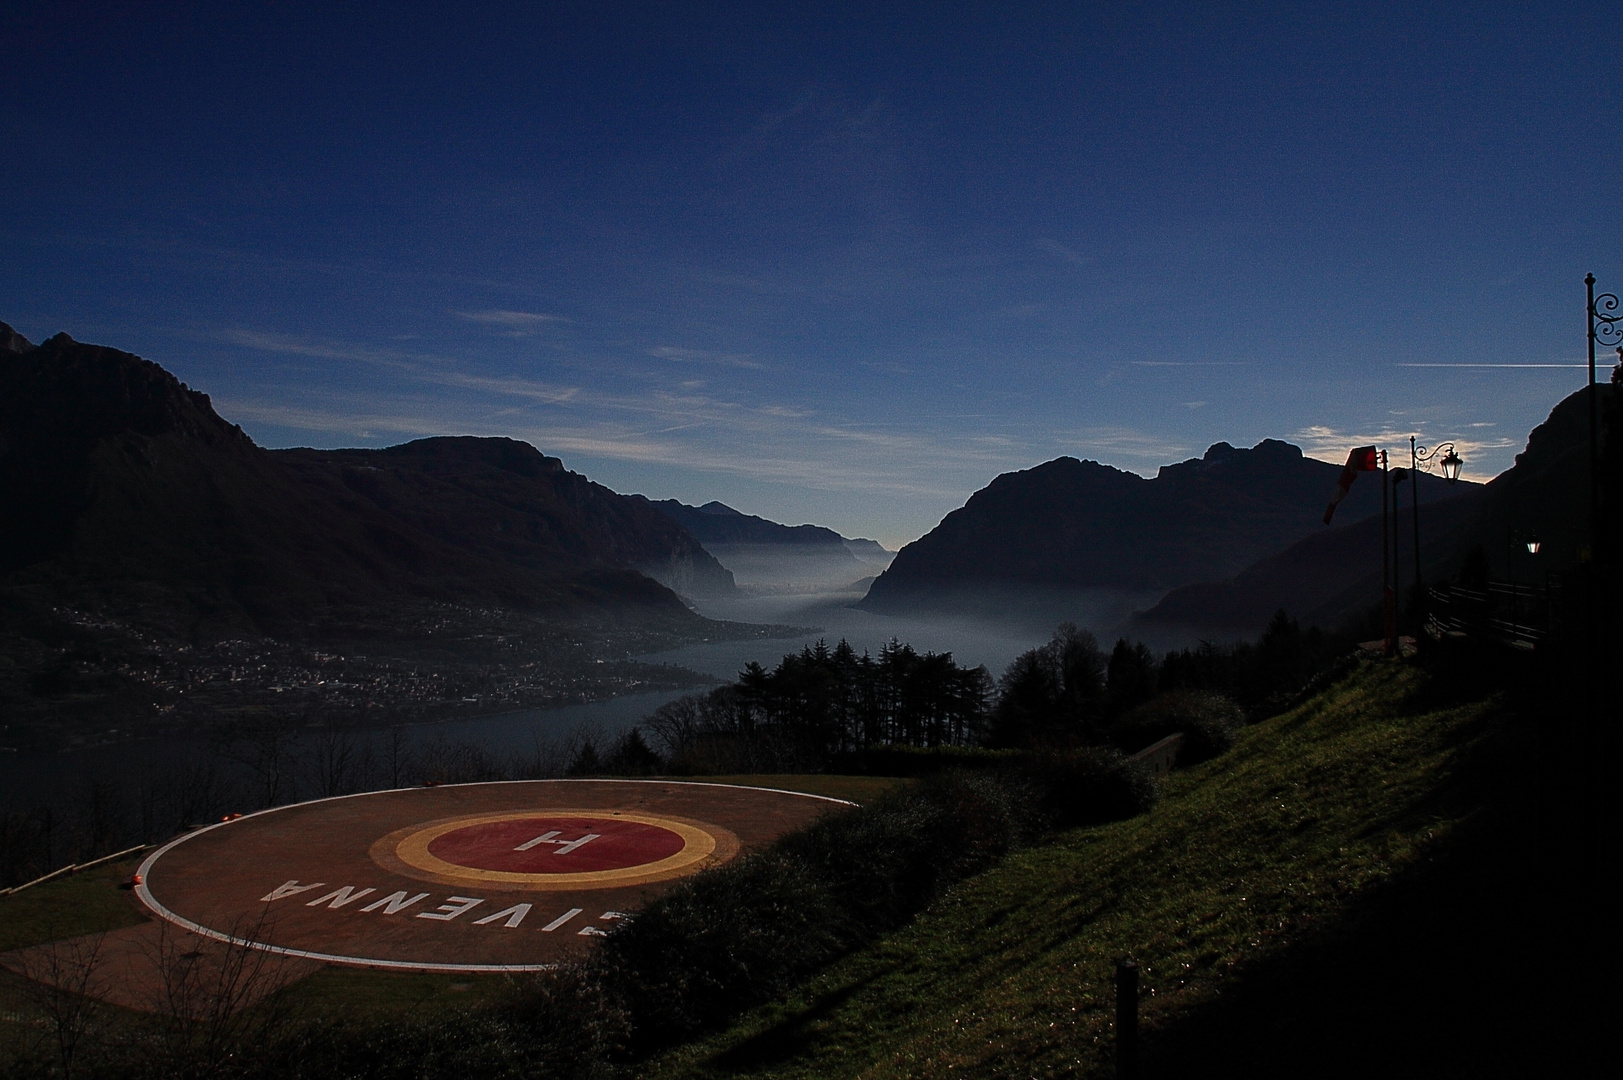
[74, 803]
[801, 569]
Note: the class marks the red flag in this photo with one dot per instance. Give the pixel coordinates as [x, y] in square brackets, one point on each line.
[1363, 459]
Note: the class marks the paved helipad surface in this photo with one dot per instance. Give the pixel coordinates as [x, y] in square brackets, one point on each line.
[469, 877]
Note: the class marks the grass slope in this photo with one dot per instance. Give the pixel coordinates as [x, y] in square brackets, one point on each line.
[1265, 897]
[89, 902]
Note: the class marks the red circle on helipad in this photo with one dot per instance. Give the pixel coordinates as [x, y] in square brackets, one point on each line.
[556, 845]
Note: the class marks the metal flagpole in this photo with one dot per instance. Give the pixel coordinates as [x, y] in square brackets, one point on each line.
[1386, 561]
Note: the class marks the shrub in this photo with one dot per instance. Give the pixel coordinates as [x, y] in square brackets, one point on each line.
[744, 933]
[898, 759]
[1208, 721]
[1090, 786]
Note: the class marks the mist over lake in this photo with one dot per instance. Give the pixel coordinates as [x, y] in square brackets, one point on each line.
[1027, 621]
[1004, 625]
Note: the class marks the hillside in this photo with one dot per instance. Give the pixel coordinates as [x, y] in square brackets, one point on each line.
[502, 503]
[128, 493]
[1336, 574]
[718, 523]
[160, 570]
[1313, 903]
[1071, 524]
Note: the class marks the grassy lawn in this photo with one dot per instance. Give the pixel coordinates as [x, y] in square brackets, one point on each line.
[1262, 897]
[358, 991]
[89, 902]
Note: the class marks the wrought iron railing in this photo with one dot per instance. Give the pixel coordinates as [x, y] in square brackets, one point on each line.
[1521, 614]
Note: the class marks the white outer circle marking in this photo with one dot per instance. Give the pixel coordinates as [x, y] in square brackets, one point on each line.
[146, 897]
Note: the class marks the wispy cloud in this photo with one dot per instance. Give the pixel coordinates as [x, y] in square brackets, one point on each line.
[513, 320]
[1063, 251]
[291, 345]
[511, 386]
[822, 458]
[704, 356]
[1124, 442]
[349, 424]
[1331, 444]
[686, 427]
[1562, 366]
[1192, 363]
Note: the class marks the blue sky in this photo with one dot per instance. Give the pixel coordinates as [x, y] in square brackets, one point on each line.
[827, 263]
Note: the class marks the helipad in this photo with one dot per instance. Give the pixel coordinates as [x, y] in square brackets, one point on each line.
[472, 877]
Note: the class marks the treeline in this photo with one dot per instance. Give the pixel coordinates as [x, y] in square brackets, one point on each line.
[821, 702]
[830, 707]
[820, 709]
[1070, 692]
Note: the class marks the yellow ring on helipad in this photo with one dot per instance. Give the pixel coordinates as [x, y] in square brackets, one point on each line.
[406, 851]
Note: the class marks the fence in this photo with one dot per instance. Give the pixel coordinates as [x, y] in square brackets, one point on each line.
[1519, 614]
[74, 868]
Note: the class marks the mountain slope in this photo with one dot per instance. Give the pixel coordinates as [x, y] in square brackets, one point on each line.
[1323, 579]
[718, 523]
[129, 494]
[504, 503]
[1312, 903]
[1337, 573]
[1078, 524]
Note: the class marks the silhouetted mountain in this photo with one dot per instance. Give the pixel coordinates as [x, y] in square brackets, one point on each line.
[1079, 525]
[13, 342]
[1321, 580]
[718, 523]
[1336, 574]
[868, 550]
[126, 493]
[505, 503]
[767, 557]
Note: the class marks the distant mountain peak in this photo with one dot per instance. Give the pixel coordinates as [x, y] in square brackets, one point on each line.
[122, 485]
[1081, 525]
[13, 342]
[496, 452]
[719, 509]
[105, 392]
[1222, 456]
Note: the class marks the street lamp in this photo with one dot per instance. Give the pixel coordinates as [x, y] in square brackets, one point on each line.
[1532, 543]
[1451, 464]
[1604, 326]
[1422, 458]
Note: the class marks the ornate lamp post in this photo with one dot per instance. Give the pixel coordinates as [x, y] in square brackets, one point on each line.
[1441, 456]
[1604, 327]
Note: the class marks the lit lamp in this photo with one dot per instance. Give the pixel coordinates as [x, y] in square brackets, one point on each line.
[1533, 544]
[1451, 466]
[1422, 458]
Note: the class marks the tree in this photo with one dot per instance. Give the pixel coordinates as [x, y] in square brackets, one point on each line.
[1052, 695]
[1130, 677]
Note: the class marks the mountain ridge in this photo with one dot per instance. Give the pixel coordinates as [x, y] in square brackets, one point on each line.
[716, 522]
[129, 492]
[1071, 524]
[1335, 575]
